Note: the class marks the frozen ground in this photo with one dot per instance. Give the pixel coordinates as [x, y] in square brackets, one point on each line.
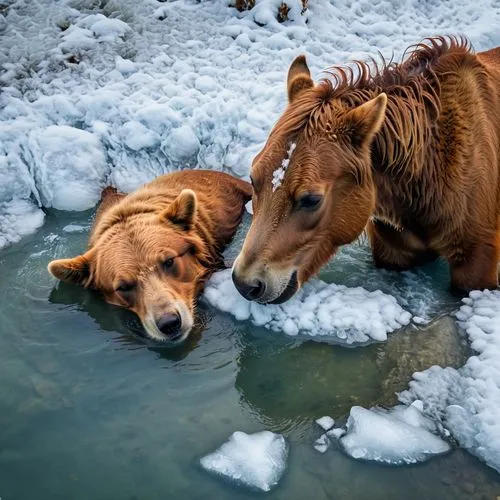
[116, 92]
[256, 460]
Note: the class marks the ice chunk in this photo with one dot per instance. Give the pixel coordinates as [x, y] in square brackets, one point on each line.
[182, 143]
[325, 422]
[344, 315]
[69, 167]
[322, 443]
[256, 460]
[467, 401]
[17, 219]
[394, 437]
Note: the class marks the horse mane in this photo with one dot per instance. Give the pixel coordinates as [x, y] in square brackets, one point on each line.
[413, 92]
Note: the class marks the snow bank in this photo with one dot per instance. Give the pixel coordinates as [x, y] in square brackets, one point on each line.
[147, 88]
[467, 401]
[345, 315]
[401, 435]
[256, 460]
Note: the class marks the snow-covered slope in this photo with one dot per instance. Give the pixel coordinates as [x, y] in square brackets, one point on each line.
[117, 92]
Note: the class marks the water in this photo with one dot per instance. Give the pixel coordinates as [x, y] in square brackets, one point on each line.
[89, 410]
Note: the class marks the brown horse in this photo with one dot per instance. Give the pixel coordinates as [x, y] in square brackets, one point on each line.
[409, 151]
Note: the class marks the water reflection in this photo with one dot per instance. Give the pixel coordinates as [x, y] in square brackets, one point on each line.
[125, 323]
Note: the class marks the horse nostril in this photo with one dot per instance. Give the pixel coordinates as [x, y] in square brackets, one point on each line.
[169, 323]
[250, 290]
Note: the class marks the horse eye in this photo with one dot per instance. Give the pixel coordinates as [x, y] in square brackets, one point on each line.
[125, 287]
[310, 202]
[168, 263]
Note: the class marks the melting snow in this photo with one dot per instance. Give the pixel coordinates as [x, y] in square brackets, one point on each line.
[467, 400]
[345, 315]
[256, 460]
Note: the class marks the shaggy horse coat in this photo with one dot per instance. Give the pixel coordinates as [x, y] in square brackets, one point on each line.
[152, 251]
[409, 151]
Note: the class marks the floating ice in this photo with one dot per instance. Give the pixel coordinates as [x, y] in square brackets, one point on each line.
[398, 436]
[345, 315]
[256, 460]
[467, 400]
[325, 422]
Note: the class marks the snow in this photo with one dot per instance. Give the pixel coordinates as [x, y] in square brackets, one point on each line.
[398, 436]
[180, 84]
[467, 401]
[70, 164]
[256, 460]
[19, 218]
[344, 315]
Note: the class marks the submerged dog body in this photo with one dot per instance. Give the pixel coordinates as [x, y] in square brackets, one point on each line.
[152, 251]
[409, 151]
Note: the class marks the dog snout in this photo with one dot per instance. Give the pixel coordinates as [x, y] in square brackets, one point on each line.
[169, 324]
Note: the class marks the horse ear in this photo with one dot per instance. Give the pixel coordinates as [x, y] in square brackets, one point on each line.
[182, 211]
[76, 270]
[365, 120]
[299, 78]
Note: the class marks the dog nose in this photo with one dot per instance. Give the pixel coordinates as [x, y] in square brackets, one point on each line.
[169, 324]
[251, 290]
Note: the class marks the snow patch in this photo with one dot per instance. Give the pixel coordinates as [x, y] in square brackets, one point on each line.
[256, 460]
[17, 219]
[467, 401]
[344, 315]
[68, 166]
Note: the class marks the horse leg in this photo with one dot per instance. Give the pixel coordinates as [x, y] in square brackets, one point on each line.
[479, 270]
[396, 249]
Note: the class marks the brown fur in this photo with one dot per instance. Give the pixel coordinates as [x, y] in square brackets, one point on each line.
[411, 151]
[152, 251]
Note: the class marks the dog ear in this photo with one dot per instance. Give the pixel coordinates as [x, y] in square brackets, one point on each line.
[364, 121]
[182, 211]
[299, 78]
[76, 270]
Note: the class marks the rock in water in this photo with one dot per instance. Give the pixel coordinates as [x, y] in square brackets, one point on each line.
[256, 460]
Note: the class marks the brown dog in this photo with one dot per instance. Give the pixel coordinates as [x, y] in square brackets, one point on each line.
[410, 151]
[152, 251]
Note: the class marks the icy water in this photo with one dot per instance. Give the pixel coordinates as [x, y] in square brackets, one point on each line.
[90, 411]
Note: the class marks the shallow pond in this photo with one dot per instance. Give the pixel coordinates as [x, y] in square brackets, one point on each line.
[90, 411]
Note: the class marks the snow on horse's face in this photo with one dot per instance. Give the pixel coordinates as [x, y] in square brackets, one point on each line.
[313, 189]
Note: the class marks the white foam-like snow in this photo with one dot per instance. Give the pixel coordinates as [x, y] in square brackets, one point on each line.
[256, 460]
[467, 401]
[345, 315]
[399, 436]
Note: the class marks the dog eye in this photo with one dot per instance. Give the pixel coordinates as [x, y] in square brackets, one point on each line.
[167, 264]
[125, 286]
[309, 202]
